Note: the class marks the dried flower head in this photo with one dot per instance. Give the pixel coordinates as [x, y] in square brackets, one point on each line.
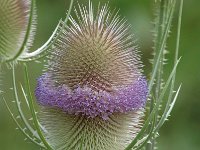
[93, 92]
[14, 21]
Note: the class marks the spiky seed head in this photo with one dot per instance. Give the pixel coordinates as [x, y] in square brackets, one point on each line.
[97, 51]
[93, 92]
[94, 68]
[14, 21]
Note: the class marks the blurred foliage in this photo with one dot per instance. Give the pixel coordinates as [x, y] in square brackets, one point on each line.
[182, 132]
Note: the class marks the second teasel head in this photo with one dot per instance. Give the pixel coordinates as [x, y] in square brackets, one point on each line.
[93, 73]
[17, 28]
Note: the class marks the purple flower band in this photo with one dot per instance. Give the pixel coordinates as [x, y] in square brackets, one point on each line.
[86, 101]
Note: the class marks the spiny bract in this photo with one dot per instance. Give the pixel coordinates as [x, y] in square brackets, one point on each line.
[92, 93]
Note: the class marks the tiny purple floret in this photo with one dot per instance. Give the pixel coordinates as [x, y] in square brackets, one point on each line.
[85, 101]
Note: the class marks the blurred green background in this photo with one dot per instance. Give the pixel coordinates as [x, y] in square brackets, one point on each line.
[182, 132]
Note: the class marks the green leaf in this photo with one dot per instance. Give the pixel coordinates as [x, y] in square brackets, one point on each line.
[167, 112]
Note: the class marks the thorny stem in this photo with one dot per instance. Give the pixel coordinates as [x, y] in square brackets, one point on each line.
[177, 45]
[158, 41]
[164, 11]
[162, 46]
[176, 56]
[164, 14]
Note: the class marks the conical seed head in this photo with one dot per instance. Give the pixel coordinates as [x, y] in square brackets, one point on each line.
[93, 93]
[95, 50]
[14, 21]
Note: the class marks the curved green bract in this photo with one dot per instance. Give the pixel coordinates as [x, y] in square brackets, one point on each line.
[44, 49]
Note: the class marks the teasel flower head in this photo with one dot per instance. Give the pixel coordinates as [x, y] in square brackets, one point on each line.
[92, 94]
[17, 27]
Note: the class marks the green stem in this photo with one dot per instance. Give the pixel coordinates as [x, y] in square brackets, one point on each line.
[33, 112]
